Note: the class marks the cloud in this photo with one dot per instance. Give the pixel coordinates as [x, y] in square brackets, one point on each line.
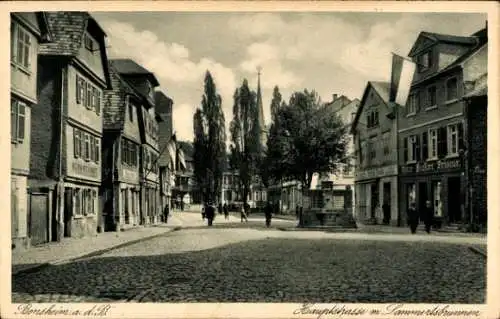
[172, 65]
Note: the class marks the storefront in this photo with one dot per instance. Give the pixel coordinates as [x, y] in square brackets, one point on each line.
[440, 182]
[377, 195]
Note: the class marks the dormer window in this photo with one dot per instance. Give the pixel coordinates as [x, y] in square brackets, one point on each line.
[89, 43]
[425, 61]
[372, 118]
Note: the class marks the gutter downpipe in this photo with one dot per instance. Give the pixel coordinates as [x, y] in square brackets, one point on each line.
[60, 184]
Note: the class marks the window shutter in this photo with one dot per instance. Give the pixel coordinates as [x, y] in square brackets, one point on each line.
[13, 120]
[417, 148]
[97, 150]
[405, 150]
[78, 90]
[98, 102]
[75, 142]
[92, 148]
[123, 150]
[460, 132]
[21, 117]
[27, 55]
[84, 92]
[425, 146]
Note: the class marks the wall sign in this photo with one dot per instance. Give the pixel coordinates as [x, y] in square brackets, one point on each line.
[435, 166]
[85, 170]
[377, 172]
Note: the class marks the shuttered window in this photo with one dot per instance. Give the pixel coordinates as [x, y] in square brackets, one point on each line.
[425, 146]
[76, 142]
[87, 147]
[18, 120]
[442, 142]
[21, 41]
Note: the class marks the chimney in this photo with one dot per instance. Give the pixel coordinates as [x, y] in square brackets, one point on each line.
[334, 97]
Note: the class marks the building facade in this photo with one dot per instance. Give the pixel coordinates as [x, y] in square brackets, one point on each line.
[121, 184]
[376, 174]
[67, 124]
[431, 128]
[27, 30]
[167, 145]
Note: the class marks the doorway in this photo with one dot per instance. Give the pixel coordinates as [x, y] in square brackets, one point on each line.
[422, 195]
[374, 199]
[454, 200]
[68, 210]
[386, 206]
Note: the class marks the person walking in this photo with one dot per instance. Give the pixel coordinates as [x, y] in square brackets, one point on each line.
[412, 218]
[210, 214]
[166, 212]
[219, 208]
[428, 216]
[268, 211]
[243, 214]
[203, 211]
[226, 211]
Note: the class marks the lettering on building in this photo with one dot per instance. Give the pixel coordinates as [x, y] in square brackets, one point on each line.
[431, 166]
[85, 170]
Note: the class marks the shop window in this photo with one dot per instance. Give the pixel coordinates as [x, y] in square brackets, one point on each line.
[412, 194]
[437, 203]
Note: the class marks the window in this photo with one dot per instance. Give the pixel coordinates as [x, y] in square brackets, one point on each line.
[412, 104]
[431, 97]
[86, 155]
[77, 143]
[17, 120]
[425, 61]
[131, 111]
[89, 43]
[411, 148]
[453, 139]
[98, 102]
[372, 118]
[20, 46]
[88, 103]
[433, 144]
[451, 89]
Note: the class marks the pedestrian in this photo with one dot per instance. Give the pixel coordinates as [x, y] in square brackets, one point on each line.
[268, 212]
[297, 211]
[210, 213]
[226, 211]
[182, 205]
[413, 218]
[220, 208]
[243, 214]
[428, 216]
[203, 211]
[166, 212]
[387, 213]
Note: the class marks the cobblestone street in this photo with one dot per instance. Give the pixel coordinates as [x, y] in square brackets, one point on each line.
[235, 265]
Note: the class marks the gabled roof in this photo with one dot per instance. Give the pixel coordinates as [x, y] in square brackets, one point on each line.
[131, 68]
[163, 104]
[115, 100]
[382, 89]
[67, 31]
[443, 38]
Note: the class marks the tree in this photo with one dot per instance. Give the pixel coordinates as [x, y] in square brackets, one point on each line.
[267, 166]
[306, 137]
[209, 142]
[245, 137]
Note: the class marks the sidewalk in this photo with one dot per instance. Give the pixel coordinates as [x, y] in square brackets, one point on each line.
[76, 248]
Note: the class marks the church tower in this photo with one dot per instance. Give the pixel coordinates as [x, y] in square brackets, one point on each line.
[260, 108]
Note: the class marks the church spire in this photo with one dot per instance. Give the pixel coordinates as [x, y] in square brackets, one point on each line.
[260, 109]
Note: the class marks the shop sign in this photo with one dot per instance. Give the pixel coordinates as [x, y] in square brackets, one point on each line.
[85, 170]
[434, 166]
[377, 172]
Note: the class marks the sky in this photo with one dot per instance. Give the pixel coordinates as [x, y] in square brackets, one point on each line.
[330, 52]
